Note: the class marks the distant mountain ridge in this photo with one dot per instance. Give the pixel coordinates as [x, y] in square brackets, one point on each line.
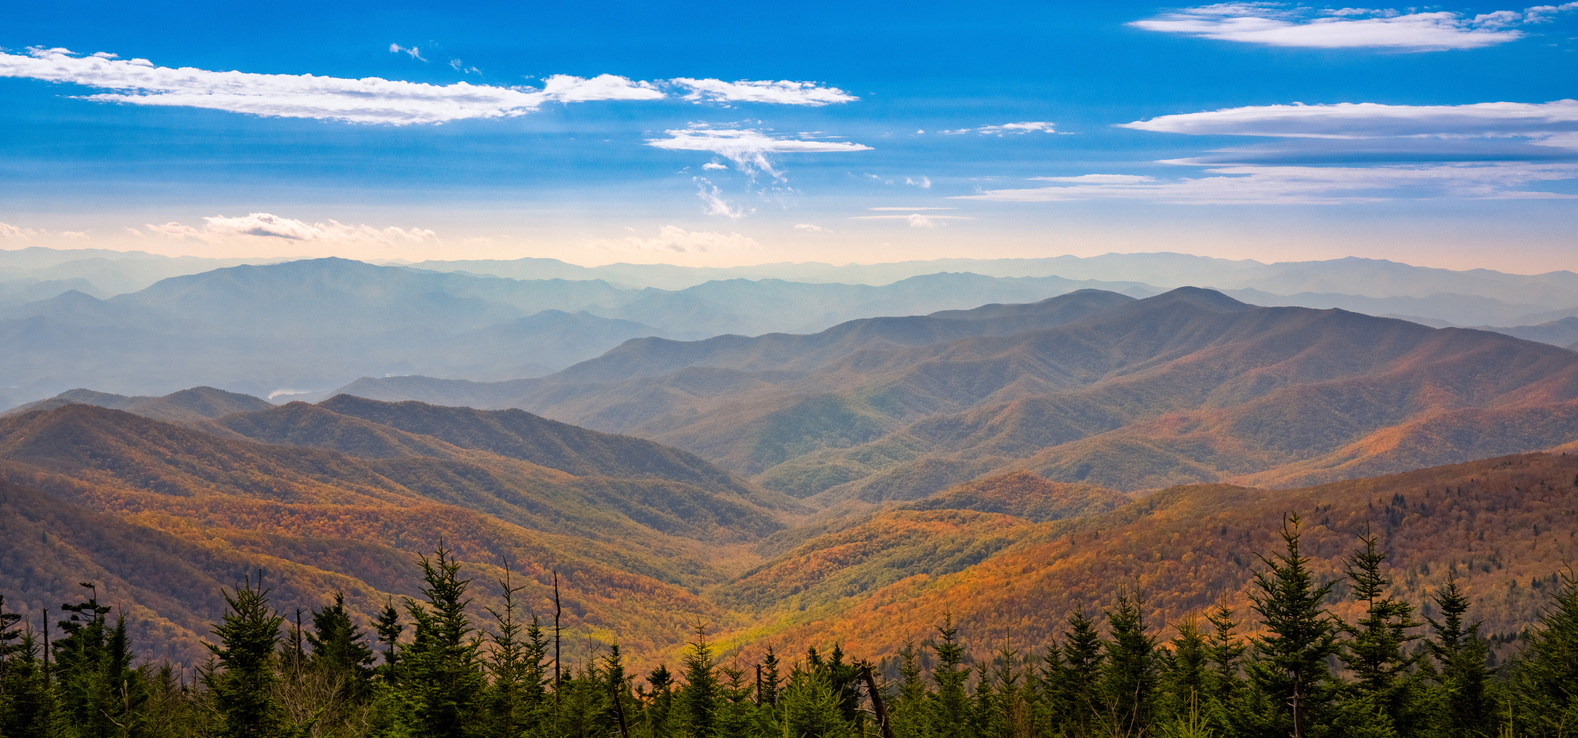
[1189, 386]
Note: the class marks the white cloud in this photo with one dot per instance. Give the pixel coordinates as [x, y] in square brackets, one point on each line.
[1098, 179]
[1039, 126]
[922, 182]
[412, 52]
[267, 225]
[713, 166]
[1275, 24]
[73, 234]
[907, 210]
[366, 100]
[747, 148]
[713, 201]
[10, 231]
[1302, 185]
[1541, 122]
[1544, 13]
[782, 92]
[674, 239]
[916, 220]
[812, 228]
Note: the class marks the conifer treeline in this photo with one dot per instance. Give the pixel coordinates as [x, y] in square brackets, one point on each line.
[426, 669]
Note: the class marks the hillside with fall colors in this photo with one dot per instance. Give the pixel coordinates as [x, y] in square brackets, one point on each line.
[161, 515]
[1186, 387]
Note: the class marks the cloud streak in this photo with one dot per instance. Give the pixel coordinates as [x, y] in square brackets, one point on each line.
[1302, 185]
[748, 148]
[1276, 24]
[220, 228]
[1552, 123]
[782, 92]
[1034, 126]
[369, 99]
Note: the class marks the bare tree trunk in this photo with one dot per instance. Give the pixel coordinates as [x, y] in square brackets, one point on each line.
[877, 707]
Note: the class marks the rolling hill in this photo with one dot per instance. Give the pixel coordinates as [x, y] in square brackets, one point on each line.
[1187, 387]
[120, 497]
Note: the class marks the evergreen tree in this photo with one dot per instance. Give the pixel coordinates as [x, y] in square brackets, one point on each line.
[950, 708]
[1082, 656]
[97, 691]
[1129, 674]
[700, 696]
[1376, 655]
[1547, 678]
[1051, 712]
[619, 707]
[1288, 665]
[1188, 668]
[1013, 697]
[771, 679]
[441, 670]
[508, 713]
[339, 646]
[1461, 703]
[24, 692]
[388, 627]
[811, 707]
[243, 685]
[908, 712]
[659, 703]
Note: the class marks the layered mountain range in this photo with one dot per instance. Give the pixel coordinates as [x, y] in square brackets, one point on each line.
[646, 541]
[1190, 386]
[141, 324]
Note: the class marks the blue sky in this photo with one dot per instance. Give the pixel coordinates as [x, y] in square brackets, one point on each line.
[727, 133]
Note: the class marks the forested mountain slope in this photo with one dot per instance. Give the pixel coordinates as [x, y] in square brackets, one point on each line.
[1189, 386]
[318, 520]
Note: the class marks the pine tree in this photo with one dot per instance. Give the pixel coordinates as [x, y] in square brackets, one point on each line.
[24, 693]
[810, 707]
[442, 673]
[339, 647]
[659, 703]
[1013, 698]
[97, 691]
[1129, 674]
[1288, 665]
[388, 627]
[1376, 655]
[619, 706]
[1547, 676]
[908, 711]
[950, 708]
[771, 679]
[1082, 656]
[701, 695]
[1051, 712]
[506, 664]
[1188, 669]
[1461, 705]
[243, 684]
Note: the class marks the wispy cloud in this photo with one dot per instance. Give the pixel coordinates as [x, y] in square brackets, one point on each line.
[748, 148]
[782, 92]
[673, 239]
[1278, 24]
[410, 51]
[1300, 185]
[812, 228]
[370, 99]
[9, 231]
[1552, 123]
[269, 226]
[921, 217]
[713, 201]
[1007, 129]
